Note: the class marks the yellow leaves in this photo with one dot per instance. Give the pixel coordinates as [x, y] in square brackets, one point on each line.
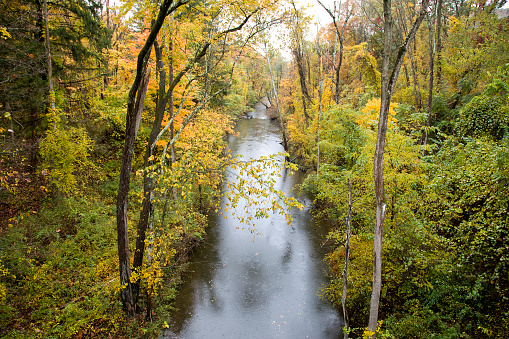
[372, 113]
[367, 334]
[4, 34]
[455, 25]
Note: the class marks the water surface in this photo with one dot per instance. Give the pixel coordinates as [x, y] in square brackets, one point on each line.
[242, 285]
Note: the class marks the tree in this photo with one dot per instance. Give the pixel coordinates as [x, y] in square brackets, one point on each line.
[297, 25]
[389, 80]
[133, 116]
[340, 36]
[276, 95]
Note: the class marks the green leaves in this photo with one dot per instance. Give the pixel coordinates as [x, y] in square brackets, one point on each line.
[484, 116]
[64, 153]
[465, 206]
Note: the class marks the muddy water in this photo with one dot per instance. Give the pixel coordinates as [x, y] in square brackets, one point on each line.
[263, 286]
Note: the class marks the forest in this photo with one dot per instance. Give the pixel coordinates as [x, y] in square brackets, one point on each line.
[113, 125]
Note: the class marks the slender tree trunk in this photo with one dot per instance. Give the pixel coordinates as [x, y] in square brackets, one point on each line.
[123, 191]
[338, 69]
[320, 98]
[388, 84]
[108, 14]
[49, 64]
[347, 259]
[302, 79]
[415, 80]
[407, 77]
[274, 89]
[438, 39]
[340, 37]
[173, 154]
[431, 54]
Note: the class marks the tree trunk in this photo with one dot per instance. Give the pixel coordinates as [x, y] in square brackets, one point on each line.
[347, 259]
[134, 108]
[388, 84]
[340, 37]
[438, 39]
[148, 181]
[123, 191]
[431, 54]
[274, 89]
[320, 97]
[415, 80]
[49, 64]
[302, 79]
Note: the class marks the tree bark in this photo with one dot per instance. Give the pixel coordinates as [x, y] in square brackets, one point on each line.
[431, 55]
[148, 181]
[388, 85]
[438, 39]
[299, 57]
[320, 98]
[302, 79]
[415, 80]
[49, 63]
[347, 258]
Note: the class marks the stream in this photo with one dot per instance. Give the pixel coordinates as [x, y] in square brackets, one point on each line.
[244, 285]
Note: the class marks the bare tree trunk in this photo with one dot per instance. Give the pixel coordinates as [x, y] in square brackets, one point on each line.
[347, 259]
[388, 85]
[171, 113]
[415, 80]
[438, 39]
[299, 58]
[320, 98]
[49, 64]
[302, 78]
[340, 36]
[108, 14]
[274, 89]
[123, 191]
[431, 54]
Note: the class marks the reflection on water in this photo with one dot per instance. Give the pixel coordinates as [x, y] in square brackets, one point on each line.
[262, 287]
